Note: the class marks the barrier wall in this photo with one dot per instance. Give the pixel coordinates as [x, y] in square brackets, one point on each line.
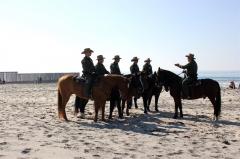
[14, 77]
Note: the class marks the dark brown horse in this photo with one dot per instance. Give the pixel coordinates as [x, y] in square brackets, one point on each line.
[100, 92]
[201, 89]
[150, 88]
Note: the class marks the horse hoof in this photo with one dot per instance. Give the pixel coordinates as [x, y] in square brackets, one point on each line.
[136, 107]
[175, 117]
[145, 112]
[121, 117]
[156, 110]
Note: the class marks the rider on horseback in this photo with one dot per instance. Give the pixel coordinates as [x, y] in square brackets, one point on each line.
[147, 68]
[100, 68]
[89, 71]
[134, 67]
[191, 74]
[114, 66]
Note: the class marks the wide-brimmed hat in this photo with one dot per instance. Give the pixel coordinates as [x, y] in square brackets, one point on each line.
[148, 60]
[100, 57]
[190, 55]
[117, 57]
[87, 50]
[135, 59]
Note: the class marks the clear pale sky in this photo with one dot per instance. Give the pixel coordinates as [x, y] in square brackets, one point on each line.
[49, 35]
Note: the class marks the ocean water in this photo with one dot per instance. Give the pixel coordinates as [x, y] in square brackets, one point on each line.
[223, 77]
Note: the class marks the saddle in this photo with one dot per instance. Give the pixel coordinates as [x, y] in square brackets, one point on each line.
[194, 86]
[81, 80]
[196, 83]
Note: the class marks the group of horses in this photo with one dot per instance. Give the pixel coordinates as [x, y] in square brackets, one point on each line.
[119, 90]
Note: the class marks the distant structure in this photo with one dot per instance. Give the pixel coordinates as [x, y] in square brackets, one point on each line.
[15, 77]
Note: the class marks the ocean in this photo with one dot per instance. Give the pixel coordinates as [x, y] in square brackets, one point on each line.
[223, 77]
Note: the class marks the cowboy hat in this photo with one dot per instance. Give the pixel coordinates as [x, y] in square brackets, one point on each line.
[148, 60]
[190, 55]
[86, 50]
[100, 57]
[117, 57]
[135, 59]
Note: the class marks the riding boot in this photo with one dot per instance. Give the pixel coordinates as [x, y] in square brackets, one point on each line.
[87, 91]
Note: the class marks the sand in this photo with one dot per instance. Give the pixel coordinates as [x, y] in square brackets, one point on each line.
[30, 128]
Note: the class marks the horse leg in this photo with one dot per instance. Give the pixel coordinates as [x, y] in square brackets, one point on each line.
[145, 104]
[128, 107]
[149, 101]
[62, 101]
[83, 103]
[96, 108]
[120, 114]
[156, 102]
[178, 103]
[135, 102]
[212, 99]
[102, 105]
[112, 105]
[180, 108]
[76, 105]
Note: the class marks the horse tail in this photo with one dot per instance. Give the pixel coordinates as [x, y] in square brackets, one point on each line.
[218, 102]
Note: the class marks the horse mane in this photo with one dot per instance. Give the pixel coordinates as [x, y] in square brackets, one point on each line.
[170, 76]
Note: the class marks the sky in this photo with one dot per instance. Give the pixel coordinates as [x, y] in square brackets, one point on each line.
[49, 35]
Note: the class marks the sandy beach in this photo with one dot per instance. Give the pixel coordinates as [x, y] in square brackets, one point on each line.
[30, 128]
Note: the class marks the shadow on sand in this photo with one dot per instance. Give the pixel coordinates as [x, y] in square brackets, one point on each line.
[151, 124]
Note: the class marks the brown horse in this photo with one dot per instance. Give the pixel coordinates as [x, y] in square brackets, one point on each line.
[100, 92]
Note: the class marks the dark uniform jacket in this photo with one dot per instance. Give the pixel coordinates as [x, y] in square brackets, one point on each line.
[115, 68]
[191, 69]
[88, 66]
[134, 69]
[147, 68]
[100, 69]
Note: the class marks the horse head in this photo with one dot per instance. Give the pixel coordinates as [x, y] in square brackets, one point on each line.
[135, 84]
[160, 77]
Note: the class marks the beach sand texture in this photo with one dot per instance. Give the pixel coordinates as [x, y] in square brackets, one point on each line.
[30, 128]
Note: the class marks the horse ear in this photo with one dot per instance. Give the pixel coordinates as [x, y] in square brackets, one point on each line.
[159, 68]
[155, 73]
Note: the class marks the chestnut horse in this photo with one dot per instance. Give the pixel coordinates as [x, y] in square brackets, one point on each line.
[100, 92]
[115, 98]
[201, 89]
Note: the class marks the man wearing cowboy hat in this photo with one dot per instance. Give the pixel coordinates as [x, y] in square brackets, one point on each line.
[147, 68]
[100, 68]
[134, 67]
[114, 66]
[191, 73]
[89, 71]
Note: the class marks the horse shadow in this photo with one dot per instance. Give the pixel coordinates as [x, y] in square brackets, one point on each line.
[150, 124]
[201, 118]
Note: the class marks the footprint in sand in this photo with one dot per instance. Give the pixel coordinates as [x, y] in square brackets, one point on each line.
[97, 156]
[26, 151]
[3, 143]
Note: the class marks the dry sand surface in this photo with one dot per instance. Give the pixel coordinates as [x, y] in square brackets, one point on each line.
[30, 128]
